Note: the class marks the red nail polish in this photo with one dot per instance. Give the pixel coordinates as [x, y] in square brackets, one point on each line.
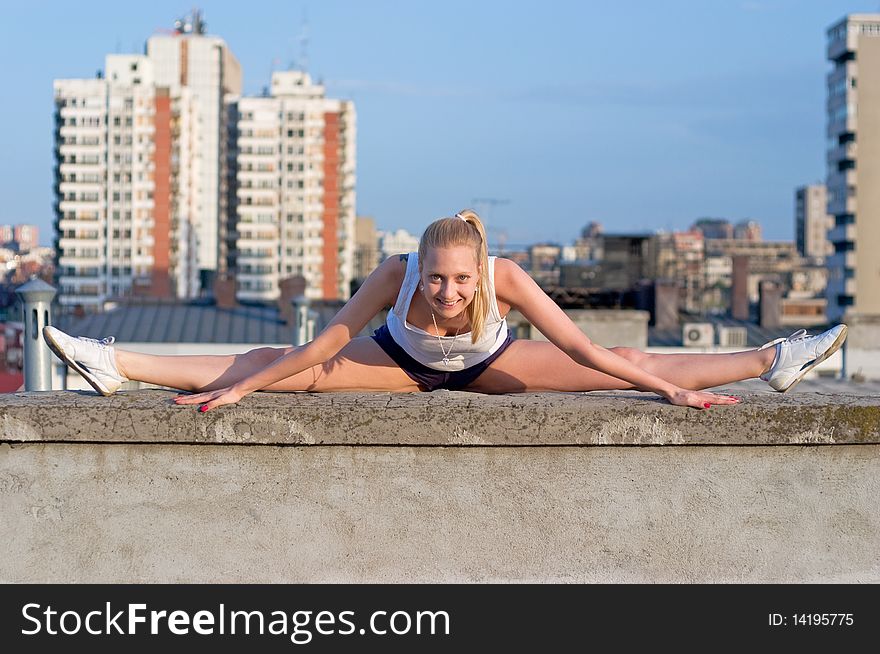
[706, 405]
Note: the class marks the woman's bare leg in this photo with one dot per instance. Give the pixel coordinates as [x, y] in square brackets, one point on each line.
[540, 366]
[360, 365]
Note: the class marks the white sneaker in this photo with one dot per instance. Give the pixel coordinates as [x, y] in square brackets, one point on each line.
[94, 360]
[799, 354]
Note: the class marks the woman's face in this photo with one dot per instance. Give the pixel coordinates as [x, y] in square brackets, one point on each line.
[450, 277]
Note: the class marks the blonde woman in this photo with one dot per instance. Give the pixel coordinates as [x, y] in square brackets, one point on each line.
[447, 329]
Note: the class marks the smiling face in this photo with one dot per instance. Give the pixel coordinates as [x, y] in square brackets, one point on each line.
[449, 276]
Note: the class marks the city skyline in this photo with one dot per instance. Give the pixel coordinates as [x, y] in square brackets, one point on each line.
[638, 117]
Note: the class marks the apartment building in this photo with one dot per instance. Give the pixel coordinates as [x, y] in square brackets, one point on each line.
[190, 60]
[140, 171]
[812, 222]
[122, 145]
[853, 165]
[295, 160]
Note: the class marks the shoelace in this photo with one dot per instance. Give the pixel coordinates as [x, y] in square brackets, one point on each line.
[799, 335]
[104, 343]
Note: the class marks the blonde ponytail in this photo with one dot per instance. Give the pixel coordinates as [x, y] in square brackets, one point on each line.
[467, 229]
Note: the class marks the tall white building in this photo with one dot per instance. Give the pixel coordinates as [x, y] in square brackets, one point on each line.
[853, 129]
[296, 190]
[812, 222]
[204, 66]
[140, 177]
[121, 145]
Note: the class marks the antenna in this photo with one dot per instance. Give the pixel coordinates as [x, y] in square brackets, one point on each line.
[304, 43]
[274, 65]
[500, 235]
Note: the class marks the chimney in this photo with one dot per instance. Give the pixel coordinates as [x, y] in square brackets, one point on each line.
[290, 288]
[771, 304]
[224, 291]
[666, 304]
[739, 292]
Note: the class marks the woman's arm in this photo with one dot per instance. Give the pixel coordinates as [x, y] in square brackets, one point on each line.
[513, 286]
[378, 291]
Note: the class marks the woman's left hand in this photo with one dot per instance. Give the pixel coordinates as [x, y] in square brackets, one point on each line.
[699, 399]
[212, 399]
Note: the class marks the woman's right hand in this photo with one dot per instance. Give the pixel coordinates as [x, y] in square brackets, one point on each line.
[699, 399]
[212, 399]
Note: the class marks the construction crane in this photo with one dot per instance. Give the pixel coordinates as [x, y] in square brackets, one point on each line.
[497, 234]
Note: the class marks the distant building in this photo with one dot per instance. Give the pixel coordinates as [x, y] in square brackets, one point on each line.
[812, 222]
[27, 237]
[544, 263]
[519, 257]
[592, 229]
[681, 256]
[20, 238]
[713, 227]
[799, 281]
[397, 242]
[39, 261]
[192, 61]
[589, 246]
[114, 219]
[627, 259]
[139, 170]
[296, 190]
[366, 247]
[853, 130]
[747, 230]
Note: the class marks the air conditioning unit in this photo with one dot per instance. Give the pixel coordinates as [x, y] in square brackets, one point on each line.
[732, 336]
[697, 334]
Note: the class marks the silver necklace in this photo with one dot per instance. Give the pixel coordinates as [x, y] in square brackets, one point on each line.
[440, 340]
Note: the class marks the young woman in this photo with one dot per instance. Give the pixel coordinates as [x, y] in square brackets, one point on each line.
[447, 329]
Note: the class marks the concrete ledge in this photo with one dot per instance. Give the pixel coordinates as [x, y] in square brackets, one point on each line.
[421, 487]
[442, 418]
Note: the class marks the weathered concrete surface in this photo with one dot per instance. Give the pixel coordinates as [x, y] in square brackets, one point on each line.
[440, 418]
[174, 513]
[420, 487]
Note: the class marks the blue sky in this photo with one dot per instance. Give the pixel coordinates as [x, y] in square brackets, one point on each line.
[641, 115]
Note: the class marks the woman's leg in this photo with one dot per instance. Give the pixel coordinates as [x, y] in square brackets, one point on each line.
[541, 366]
[360, 365]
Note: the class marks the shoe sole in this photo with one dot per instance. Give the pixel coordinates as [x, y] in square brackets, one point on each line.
[85, 374]
[827, 353]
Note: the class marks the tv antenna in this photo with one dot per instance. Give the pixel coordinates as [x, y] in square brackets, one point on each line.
[488, 204]
[303, 38]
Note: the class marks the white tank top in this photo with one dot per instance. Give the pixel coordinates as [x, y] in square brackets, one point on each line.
[424, 347]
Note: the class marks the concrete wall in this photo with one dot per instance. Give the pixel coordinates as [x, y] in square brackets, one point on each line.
[862, 347]
[607, 327]
[601, 487]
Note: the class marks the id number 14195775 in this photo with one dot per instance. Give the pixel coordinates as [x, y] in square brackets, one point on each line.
[811, 619]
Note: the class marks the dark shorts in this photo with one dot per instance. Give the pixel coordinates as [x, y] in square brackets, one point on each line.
[428, 378]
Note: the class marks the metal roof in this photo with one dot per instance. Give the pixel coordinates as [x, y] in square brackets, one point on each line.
[162, 322]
